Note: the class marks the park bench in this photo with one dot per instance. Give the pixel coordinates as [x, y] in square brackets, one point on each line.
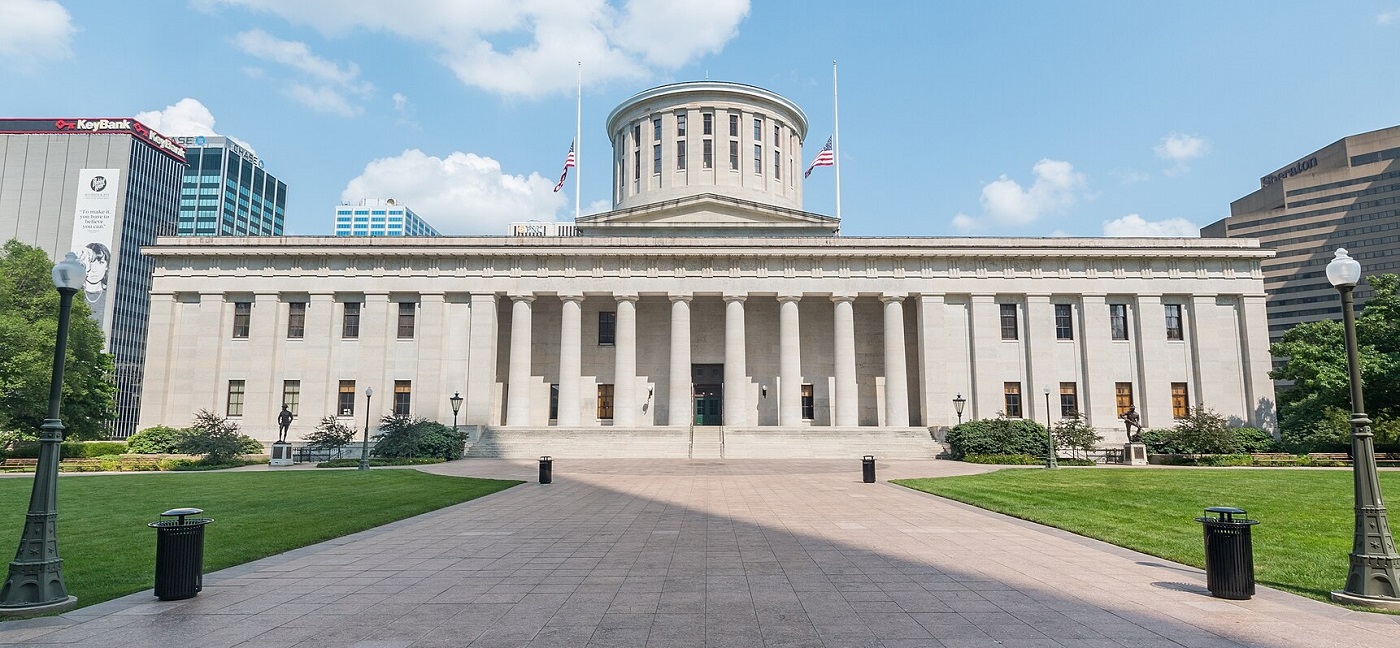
[1340, 458]
[1274, 459]
[20, 463]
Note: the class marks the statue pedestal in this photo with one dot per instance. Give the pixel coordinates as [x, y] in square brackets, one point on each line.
[1135, 454]
[281, 453]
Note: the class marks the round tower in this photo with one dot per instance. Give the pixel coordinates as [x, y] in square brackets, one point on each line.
[702, 137]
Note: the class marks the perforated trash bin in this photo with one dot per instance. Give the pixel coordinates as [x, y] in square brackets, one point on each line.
[546, 469]
[867, 469]
[1229, 552]
[179, 554]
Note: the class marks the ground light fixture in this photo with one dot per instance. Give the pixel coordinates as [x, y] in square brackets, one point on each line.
[958, 403]
[456, 401]
[35, 581]
[1371, 580]
[364, 446]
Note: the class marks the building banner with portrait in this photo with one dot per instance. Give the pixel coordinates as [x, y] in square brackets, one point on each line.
[94, 223]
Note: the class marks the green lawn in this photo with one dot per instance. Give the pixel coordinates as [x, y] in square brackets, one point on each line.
[1300, 545]
[108, 550]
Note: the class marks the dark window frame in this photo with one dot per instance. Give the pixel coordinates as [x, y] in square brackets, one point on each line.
[242, 319]
[350, 321]
[1064, 322]
[345, 398]
[1173, 315]
[406, 320]
[1118, 321]
[403, 397]
[607, 328]
[1011, 398]
[1069, 400]
[236, 397]
[1010, 325]
[291, 395]
[605, 401]
[296, 320]
[809, 402]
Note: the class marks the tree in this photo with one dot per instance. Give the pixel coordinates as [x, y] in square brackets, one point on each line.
[215, 437]
[1316, 363]
[28, 329]
[1076, 435]
[329, 434]
[404, 437]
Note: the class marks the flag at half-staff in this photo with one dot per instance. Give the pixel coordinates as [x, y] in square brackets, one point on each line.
[824, 158]
[568, 162]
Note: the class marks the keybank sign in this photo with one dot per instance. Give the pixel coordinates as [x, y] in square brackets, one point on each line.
[1298, 167]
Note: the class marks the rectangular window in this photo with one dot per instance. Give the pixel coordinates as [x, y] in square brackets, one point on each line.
[777, 132]
[758, 129]
[1011, 392]
[733, 125]
[554, 401]
[291, 395]
[1123, 395]
[1181, 405]
[656, 158]
[757, 158]
[235, 398]
[296, 320]
[406, 320]
[605, 401]
[346, 401]
[707, 159]
[707, 122]
[1174, 321]
[680, 155]
[1118, 320]
[656, 129]
[1064, 322]
[680, 125]
[242, 313]
[403, 397]
[636, 165]
[1008, 322]
[607, 328]
[809, 403]
[350, 321]
[733, 155]
[1069, 400]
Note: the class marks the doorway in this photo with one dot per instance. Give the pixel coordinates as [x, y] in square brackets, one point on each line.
[708, 381]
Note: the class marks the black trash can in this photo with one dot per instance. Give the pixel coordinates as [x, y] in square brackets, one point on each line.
[546, 469]
[867, 469]
[179, 554]
[1229, 552]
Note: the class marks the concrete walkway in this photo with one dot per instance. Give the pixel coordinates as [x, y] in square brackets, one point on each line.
[679, 553]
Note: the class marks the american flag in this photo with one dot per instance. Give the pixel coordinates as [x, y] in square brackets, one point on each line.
[824, 158]
[568, 162]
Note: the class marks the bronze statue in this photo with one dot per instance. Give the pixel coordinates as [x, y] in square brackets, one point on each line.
[1131, 419]
[284, 421]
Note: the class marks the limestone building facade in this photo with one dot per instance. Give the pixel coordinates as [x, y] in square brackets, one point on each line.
[716, 304]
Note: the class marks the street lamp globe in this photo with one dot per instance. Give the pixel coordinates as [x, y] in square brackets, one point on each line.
[69, 273]
[1343, 271]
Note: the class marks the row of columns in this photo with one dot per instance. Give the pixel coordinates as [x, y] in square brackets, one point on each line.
[735, 361]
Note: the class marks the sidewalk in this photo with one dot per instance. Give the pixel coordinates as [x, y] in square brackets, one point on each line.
[683, 553]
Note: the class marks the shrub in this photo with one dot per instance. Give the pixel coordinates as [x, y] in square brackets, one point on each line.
[1250, 439]
[160, 439]
[1005, 460]
[1204, 431]
[1160, 441]
[214, 437]
[250, 445]
[354, 463]
[72, 449]
[1207, 460]
[329, 434]
[998, 436]
[404, 437]
[1076, 435]
[1331, 432]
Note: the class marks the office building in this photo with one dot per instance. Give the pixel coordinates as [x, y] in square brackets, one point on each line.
[380, 218]
[1346, 195]
[708, 315]
[227, 192]
[103, 188]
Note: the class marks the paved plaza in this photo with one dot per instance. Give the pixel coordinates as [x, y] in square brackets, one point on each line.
[677, 553]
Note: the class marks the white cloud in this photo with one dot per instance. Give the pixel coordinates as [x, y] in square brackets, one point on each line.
[532, 47]
[1135, 225]
[328, 86]
[400, 102]
[462, 193]
[1180, 149]
[597, 207]
[185, 118]
[966, 224]
[1388, 17]
[1008, 203]
[34, 30]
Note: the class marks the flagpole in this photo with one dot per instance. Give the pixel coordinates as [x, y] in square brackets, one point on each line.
[578, 141]
[836, 142]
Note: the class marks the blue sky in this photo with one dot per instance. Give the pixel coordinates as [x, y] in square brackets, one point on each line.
[982, 118]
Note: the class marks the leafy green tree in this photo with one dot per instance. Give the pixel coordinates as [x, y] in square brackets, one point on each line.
[404, 437]
[215, 437]
[1316, 363]
[1076, 435]
[998, 436]
[28, 328]
[329, 434]
[159, 439]
[1204, 431]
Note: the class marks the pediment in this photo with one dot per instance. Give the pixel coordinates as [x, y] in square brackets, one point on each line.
[711, 213]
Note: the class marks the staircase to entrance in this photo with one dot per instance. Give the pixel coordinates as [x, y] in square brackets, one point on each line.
[707, 442]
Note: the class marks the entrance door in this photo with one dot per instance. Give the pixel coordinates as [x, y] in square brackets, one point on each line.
[708, 380]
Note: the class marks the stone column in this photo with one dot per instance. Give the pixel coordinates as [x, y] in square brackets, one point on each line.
[482, 343]
[736, 382]
[1039, 339]
[1254, 339]
[789, 363]
[570, 360]
[845, 357]
[896, 376]
[518, 387]
[1152, 394]
[988, 395]
[625, 358]
[1099, 365]
[679, 388]
[940, 377]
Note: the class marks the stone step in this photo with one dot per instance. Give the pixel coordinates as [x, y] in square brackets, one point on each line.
[706, 443]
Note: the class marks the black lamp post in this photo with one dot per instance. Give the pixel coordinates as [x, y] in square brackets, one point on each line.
[456, 401]
[1050, 460]
[958, 403]
[1372, 580]
[364, 447]
[35, 582]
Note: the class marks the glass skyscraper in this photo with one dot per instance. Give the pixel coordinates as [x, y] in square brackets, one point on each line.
[226, 191]
[380, 218]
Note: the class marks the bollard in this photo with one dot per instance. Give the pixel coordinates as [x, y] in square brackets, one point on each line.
[546, 470]
[868, 469]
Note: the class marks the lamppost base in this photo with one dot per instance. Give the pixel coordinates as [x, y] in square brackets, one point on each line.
[20, 612]
[1373, 602]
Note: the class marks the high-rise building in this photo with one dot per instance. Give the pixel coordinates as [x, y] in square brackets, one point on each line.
[1345, 195]
[101, 188]
[380, 218]
[227, 192]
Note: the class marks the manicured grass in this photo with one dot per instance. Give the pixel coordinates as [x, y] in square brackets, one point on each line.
[1300, 545]
[108, 550]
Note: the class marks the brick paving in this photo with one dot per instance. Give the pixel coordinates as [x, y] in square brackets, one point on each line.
[677, 553]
